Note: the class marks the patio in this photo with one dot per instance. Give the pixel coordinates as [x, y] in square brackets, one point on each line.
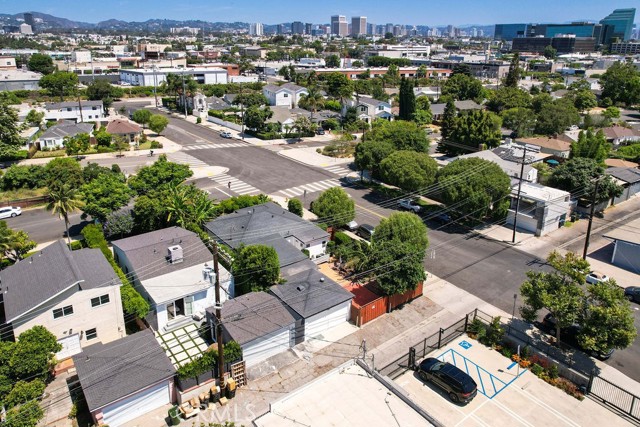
[183, 345]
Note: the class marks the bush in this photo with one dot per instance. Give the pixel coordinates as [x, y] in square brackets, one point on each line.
[103, 149]
[24, 391]
[15, 155]
[475, 326]
[552, 371]
[507, 352]
[155, 145]
[495, 332]
[198, 120]
[540, 361]
[232, 351]
[75, 245]
[342, 238]
[537, 370]
[295, 207]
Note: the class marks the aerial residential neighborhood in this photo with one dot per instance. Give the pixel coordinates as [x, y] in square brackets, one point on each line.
[281, 215]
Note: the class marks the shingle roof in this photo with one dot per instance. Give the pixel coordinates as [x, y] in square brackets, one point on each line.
[614, 132]
[311, 292]
[293, 87]
[438, 109]
[555, 143]
[122, 127]
[147, 252]
[620, 163]
[254, 315]
[629, 175]
[113, 371]
[66, 128]
[72, 104]
[33, 281]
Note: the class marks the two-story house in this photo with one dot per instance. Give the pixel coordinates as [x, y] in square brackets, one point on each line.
[83, 111]
[369, 109]
[287, 95]
[53, 138]
[173, 270]
[74, 294]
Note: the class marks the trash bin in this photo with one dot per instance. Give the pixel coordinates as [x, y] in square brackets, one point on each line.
[174, 416]
[215, 394]
[231, 388]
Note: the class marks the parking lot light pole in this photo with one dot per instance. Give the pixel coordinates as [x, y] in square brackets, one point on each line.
[513, 312]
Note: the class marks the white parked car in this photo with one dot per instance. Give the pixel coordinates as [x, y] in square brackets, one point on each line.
[225, 134]
[409, 205]
[10, 212]
[596, 277]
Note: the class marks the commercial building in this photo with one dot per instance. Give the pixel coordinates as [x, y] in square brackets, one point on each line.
[297, 27]
[566, 44]
[256, 29]
[618, 25]
[150, 77]
[358, 26]
[26, 29]
[308, 28]
[28, 19]
[339, 25]
[626, 48]
[508, 32]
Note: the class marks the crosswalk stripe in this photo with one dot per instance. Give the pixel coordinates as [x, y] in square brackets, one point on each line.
[236, 185]
[310, 188]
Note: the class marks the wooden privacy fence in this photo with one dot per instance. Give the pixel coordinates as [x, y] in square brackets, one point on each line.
[369, 302]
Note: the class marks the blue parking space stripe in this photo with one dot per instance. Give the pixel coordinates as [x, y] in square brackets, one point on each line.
[509, 383]
[494, 385]
[453, 357]
[481, 382]
[465, 365]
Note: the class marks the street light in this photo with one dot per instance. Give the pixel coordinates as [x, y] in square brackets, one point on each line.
[513, 313]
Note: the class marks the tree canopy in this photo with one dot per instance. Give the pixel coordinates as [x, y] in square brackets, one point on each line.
[556, 116]
[475, 187]
[404, 135]
[10, 140]
[105, 194]
[408, 170]
[255, 268]
[590, 145]
[334, 207]
[158, 123]
[578, 176]
[60, 83]
[621, 83]
[513, 76]
[475, 130]
[101, 90]
[522, 121]
[462, 87]
[159, 174]
[41, 63]
[370, 154]
[407, 100]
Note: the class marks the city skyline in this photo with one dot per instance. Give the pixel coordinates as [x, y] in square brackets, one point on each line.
[406, 12]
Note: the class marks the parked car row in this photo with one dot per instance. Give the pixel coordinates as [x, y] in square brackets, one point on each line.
[569, 335]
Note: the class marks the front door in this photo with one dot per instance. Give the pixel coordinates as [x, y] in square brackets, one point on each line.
[188, 306]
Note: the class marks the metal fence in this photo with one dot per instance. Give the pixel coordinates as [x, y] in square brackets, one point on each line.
[615, 396]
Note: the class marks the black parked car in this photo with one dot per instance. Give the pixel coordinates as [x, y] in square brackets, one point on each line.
[569, 336]
[458, 385]
[320, 131]
[365, 231]
[632, 293]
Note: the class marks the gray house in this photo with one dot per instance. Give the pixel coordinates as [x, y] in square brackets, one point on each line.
[271, 225]
[258, 321]
[126, 379]
[626, 252]
[629, 179]
[53, 138]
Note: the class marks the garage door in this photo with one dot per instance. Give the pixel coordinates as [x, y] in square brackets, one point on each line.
[321, 322]
[258, 350]
[70, 346]
[137, 405]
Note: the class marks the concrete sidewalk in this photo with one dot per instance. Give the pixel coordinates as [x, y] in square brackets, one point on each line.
[309, 156]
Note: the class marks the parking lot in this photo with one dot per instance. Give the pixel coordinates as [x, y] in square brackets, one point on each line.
[507, 395]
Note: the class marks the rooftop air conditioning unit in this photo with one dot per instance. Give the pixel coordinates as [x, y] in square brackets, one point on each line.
[175, 254]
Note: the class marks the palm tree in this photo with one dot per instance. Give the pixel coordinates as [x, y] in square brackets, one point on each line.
[188, 206]
[312, 100]
[64, 200]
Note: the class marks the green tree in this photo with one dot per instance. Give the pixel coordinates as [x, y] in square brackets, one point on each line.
[103, 138]
[461, 69]
[404, 227]
[462, 87]
[104, 195]
[188, 206]
[611, 113]
[332, 61]
[256, 117]
[295, 206]
[312, 101]
[396, 266]
[63, 201]
[14, 244]
[18, 176]
[540, 102]
[10, 139]
[550, 52]
[158, 123]
[33, 354]
[63, 171]
[402, 134]
[338, 85]
[150, 212]
[578, 176]
[255, 268]
[507, 97]
[407, 100]
[76, 144]
[583, 99]
[60, 83]
[513, 76]
[475, 187]
[303, 125]
[158, 175]
[119, 224]
[142, 117]
[250, 99]
[34, 118]
[27, 415]
[621, 83]
[590, 145]
[521, 121]
[556, 116]
[101, 90]
[334, 207]
[475, 129]
[370, 154]
[448, 120]
[41, 63]
[24, 391]
[409, 170]
[601, 311]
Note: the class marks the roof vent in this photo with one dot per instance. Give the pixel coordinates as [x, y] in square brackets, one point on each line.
[175, 254]
[300, 288]
[322, 279]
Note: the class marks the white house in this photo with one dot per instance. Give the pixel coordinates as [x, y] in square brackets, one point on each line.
[53, 138]
[173, 270]
[288, 94]
[369, 109]
[74, 294]
[541, 209]
[83, 111]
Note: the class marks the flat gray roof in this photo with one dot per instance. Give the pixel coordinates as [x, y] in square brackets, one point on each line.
[626, 233]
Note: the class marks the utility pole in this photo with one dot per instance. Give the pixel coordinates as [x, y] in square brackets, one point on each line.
[593, 208]
[184, 95]
[155, 84]
[216, 271]
[515, 218]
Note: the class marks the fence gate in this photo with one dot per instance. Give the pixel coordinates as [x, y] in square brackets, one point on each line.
[615, 396]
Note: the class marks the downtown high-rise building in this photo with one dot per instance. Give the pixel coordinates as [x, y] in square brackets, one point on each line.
[339, 25]
[618, 25]
[297, 27]
[308, 28]
[28, 19]
[256, 29]
[358, 26]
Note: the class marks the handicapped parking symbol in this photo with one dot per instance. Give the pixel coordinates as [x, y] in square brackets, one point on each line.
[465, 344]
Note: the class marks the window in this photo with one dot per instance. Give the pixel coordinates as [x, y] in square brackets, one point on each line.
[94, 108]
[97, 301]
[68, 109]
[91, 334]
[286, 95]
[381, 107]
[62, 312]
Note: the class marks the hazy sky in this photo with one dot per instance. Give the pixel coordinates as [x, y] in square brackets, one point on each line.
[456, 12]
